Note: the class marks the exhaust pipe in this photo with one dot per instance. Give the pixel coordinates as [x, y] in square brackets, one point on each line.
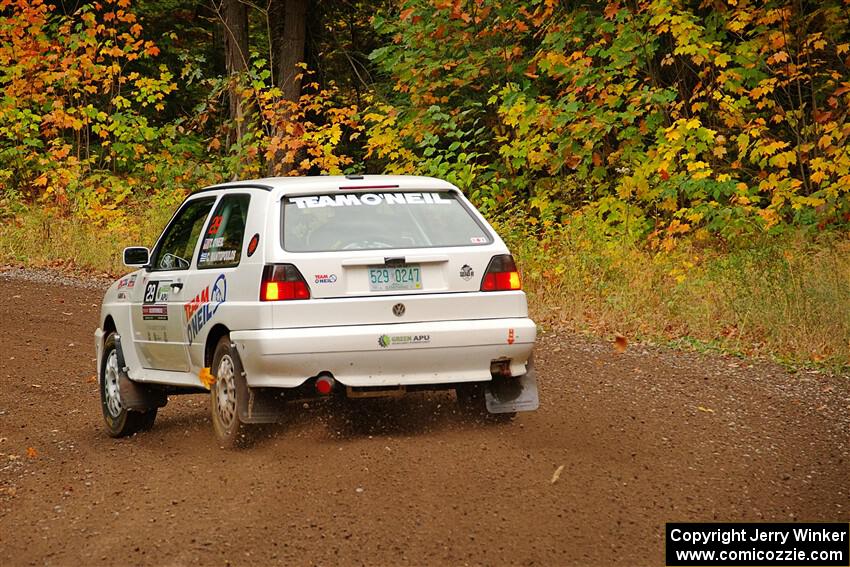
[325, 384]
[501, 368]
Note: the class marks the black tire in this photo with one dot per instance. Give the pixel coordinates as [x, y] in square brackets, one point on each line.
[473, 404]
[119, 421]
[225, 395]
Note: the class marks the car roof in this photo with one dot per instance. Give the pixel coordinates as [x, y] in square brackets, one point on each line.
[292, 185]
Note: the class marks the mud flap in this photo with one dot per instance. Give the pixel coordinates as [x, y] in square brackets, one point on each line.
[259, 405]
[506, 395]
[135, 396]
[254, 405]
[139, 397]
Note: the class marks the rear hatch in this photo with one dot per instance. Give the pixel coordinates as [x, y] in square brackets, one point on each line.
[362, 253]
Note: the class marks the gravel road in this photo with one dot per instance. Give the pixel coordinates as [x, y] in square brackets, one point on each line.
[641, 438]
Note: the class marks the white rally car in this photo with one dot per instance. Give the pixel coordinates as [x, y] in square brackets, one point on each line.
[289, 288]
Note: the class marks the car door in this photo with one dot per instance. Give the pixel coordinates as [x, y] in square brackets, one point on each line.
[157, 306]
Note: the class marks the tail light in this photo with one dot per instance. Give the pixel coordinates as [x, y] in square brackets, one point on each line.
[501, 274]
[282, 282]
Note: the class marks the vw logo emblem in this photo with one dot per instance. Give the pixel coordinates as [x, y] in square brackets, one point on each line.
[398, 309]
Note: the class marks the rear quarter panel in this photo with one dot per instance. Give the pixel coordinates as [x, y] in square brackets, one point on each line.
[241, 308]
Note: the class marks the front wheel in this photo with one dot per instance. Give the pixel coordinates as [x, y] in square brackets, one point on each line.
[119, 421]
[224, 395]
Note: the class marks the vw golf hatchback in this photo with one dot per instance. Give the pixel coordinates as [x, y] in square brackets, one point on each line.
[282, 289]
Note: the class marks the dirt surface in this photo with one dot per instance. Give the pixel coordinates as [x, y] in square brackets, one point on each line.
[644, 437]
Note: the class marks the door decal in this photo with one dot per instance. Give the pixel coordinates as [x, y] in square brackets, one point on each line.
[155, 312]
[154, 306]
[202, 308]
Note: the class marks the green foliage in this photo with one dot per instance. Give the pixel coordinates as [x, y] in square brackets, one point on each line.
[727, 120]
[78, 123]
[669, 116]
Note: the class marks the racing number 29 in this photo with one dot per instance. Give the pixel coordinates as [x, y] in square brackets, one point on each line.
[150, 292]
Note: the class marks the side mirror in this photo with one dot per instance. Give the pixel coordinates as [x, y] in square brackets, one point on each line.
[136, 256]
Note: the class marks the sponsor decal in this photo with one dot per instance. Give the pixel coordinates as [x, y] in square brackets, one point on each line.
[157, 333]
[202, 308]
[385, 341]
[212, 243]
[122, 296]
[325, 278]
[356, 200]
[511, 336]
[204, 257]
[155, 312]
[252, 245]
[128, 282]
[478, 240]
[466, 272]
[220, 256]
[162, 292]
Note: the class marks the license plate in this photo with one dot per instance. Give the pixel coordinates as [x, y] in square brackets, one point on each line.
[386, 278]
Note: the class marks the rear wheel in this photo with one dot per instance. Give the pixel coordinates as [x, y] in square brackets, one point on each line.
[224, 396]
[119, 421]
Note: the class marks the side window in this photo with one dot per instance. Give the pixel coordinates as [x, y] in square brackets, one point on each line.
[222, 243]
[178, 242]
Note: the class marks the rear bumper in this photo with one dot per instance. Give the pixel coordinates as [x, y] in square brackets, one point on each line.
[438, 352]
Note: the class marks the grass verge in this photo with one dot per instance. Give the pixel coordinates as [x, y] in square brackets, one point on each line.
[785, 296]
[38, 238]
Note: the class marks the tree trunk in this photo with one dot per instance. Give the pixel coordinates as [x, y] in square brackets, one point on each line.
[288, 30]
[288, 24]
[234, 17]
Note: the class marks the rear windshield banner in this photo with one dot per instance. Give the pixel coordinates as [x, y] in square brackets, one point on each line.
[356, 200]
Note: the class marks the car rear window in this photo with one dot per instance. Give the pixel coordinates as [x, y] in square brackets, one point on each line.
[376, 221]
